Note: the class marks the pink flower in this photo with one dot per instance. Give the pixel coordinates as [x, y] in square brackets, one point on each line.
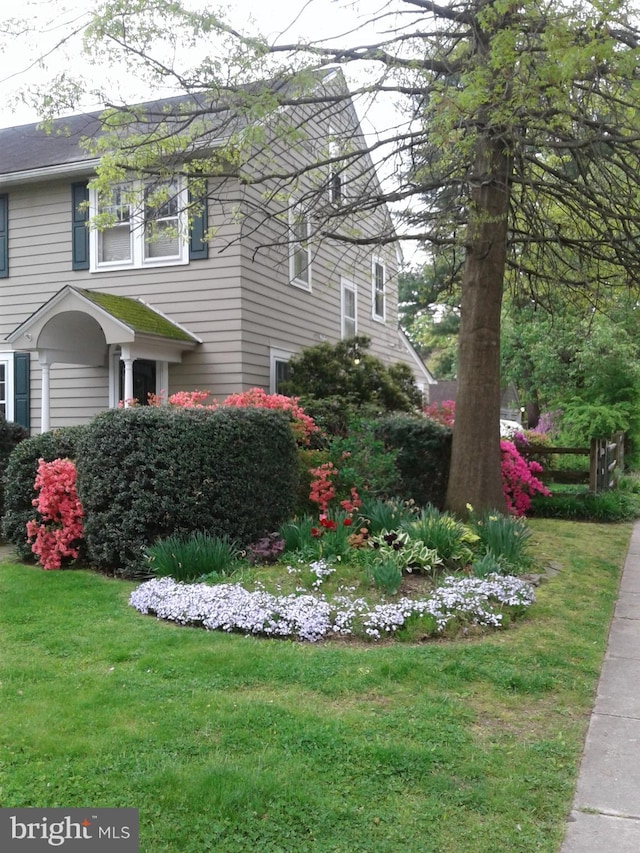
[57, 502]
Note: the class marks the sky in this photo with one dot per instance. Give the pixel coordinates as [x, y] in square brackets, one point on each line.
[348, 21]
[286, 20]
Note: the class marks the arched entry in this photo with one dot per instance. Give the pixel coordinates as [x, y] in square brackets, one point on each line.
[91, 328]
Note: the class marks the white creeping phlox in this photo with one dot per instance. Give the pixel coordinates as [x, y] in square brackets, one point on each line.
[312, 616]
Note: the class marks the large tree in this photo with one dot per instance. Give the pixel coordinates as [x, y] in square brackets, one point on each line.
[518, 147]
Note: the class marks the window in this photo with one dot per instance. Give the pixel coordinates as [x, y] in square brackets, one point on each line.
[349, 312]
[146, 226]
[15, 387]
[335, 172]
[378, 290]
[299, 250]
[162, 222]
[4, 372]
[279, 369]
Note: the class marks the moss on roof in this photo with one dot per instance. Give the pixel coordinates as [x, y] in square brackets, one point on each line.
[136, 315]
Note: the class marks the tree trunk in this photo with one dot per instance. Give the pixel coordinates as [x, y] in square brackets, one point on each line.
[474, 475]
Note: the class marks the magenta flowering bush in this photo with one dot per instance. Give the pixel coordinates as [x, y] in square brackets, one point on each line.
[519, 482]
[60, 533]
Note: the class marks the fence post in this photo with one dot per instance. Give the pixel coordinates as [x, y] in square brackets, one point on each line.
[593, 465]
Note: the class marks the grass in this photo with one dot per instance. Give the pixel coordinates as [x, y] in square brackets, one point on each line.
[226, 743]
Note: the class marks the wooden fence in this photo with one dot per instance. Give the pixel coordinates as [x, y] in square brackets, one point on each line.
[606, 460]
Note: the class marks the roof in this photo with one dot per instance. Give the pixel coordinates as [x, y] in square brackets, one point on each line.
[137, 315]
[32, 147]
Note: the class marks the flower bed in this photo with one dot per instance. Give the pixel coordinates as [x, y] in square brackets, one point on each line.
[313, 617]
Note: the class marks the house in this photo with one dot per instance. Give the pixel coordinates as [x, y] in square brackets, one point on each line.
[160, 301]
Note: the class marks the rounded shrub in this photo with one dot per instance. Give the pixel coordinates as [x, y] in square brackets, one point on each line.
[11, 434]
[423, 452]
[147, 473]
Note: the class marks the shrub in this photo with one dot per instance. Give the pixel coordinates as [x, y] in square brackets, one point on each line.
[614, 506]
[20, 476]
[187, 558]
[146, 473]
[442, 413]
[423, 450]
[363, 460]
[347, 371]
[58, 536]
[11, 435]
[519, 482]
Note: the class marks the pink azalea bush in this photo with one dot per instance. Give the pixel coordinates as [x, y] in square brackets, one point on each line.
[60, 532]
[519, 482]
[303, 424]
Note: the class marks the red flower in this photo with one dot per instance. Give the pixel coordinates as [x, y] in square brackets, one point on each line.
[328, 523]
[347, 522]
[316, 533]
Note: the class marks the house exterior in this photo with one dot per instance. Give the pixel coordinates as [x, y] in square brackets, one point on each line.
[153, 302]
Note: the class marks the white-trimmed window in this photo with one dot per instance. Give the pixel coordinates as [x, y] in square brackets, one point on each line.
[6, 385]
[278, 369]
[335, 185]
[299, 247]
[146, 226]
[348, 308]
[378, 289]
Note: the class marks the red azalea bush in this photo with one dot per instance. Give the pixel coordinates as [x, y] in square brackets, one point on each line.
[59, 534]
[322, 492]
[442, 413]
[519, 482]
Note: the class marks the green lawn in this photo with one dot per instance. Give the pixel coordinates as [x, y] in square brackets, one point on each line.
[226, 743]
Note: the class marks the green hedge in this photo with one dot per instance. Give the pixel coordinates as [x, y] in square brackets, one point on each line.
[20, 476]
[146, 473]
[11, 435]
[423, 454]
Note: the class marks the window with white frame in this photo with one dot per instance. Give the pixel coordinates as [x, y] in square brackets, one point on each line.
[349, 309]
[145, 226]
[335, 185]
[299, 248]
[4, 373]
[279, 370]
[378, 289]
[6, 385]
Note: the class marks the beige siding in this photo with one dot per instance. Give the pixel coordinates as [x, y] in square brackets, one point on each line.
[239, 303]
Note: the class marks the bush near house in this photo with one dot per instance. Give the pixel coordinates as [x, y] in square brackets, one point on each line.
[20, 475]
[146, 473]
[11, 435]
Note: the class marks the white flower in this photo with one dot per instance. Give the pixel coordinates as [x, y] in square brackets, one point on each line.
[312, 617]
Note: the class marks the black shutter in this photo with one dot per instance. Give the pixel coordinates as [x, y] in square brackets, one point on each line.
[4, 236]
[198, 246]
[21, 385]
[79, 229]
